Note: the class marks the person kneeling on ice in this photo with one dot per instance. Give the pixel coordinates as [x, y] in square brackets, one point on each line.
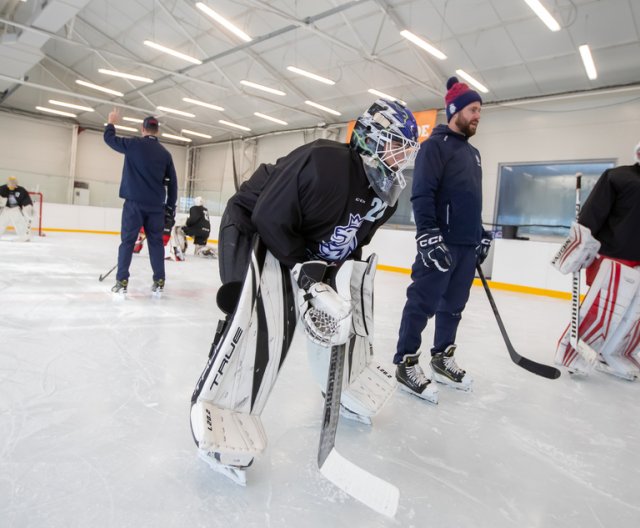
[16, 209]
[197, 226]
[605, 242]
[290, 245]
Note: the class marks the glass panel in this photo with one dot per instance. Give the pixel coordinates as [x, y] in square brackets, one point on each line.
[540, 198]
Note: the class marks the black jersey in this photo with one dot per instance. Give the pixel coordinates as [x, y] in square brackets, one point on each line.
[612, 212]
[198, 219]
[18, 197]
[314, 203]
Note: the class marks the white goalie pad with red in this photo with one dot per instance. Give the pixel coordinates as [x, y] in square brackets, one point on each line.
[609, 322]
[578, 250]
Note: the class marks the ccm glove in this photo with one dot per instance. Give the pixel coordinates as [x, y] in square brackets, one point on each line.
[325, 315]
[482, 249]
[433, 250]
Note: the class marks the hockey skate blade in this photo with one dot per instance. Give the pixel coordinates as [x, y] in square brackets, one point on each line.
[235, 474]
[443, 380]
[431, 396]
[379, 495]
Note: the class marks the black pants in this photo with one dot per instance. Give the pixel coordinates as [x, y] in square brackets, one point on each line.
[199, 235]
[234, 251]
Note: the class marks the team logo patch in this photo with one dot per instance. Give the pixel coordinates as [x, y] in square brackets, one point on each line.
[343, 240]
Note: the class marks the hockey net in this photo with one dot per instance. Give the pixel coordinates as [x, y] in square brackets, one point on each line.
[36, 222]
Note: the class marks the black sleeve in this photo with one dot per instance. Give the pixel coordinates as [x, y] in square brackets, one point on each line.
[4, 191]
[25, 198]
[596, 209]
[194, 216]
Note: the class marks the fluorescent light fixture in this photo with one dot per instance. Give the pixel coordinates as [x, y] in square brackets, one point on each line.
[54, 111]
[234, 125]
[174, 111]
[385, 96]
[200, 103]
[587, 60]
[197, 134]
[133, 119]
[477, 84]
[99, 88]
[324, 108]
[310, 75]
[223, 21]
[269, 118]
[543, 14]
[178, 138]
[70, 105]
[263, 88]
[169, 51]
[125, 75]
[423, 44]
[125, 128]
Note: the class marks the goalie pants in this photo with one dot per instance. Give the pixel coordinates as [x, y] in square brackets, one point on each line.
[134, 216]
[199, 235]
[433, 292]
[12, 216]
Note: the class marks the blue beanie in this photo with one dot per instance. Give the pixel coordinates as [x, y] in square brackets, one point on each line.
[458, 96]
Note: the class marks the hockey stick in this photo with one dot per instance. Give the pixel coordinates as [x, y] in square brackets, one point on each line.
[102, 277]
[377, 494]
[588, 353]
[546, 371]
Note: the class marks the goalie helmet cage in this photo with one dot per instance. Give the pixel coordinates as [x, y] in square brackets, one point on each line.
[36, 222]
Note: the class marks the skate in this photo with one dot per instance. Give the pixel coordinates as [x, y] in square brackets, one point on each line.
[446, 371]
[236, 473]
[350, 415]
[412, 379]
[157, 287]
[120, 287]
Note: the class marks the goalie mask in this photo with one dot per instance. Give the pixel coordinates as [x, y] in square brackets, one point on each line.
[386, 136]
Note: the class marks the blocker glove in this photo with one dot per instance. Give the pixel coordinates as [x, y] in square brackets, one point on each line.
[433, 250]
[482, 249]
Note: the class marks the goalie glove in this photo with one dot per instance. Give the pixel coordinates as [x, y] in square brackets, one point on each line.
[433, 250]
[325, 315]
[578, 251]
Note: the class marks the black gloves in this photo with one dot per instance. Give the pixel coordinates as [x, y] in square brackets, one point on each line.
[482, 249]
[433, 250]
[169, 216]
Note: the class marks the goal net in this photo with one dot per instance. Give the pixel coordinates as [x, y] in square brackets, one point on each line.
[36, 222]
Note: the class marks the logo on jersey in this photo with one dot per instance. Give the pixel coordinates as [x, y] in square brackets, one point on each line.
[343, 241]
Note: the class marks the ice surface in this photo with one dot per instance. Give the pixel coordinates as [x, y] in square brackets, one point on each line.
[95, 396]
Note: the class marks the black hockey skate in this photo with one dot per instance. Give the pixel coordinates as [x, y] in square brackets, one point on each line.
[157, 287]
[446, 371]
[412, 379]
[120, 287]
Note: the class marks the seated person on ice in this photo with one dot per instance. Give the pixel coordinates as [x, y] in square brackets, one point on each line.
[291, 243]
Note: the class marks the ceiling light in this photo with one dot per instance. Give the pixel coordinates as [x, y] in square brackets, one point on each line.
[169, 51]
[543, 14]
[132, 119]
[174, 111]
[223, 21]
[263, 88]
[385, 96]
[197, 134]
[54, 111]
[423, 44]
[472, 81]
[234, 125]
[178, 138]
[269, 118]
[310, 75]
[125, 75]
[587, 60]
[125, 128]
[99, 88]
[70, 105]
[319, 106]
[200, 103]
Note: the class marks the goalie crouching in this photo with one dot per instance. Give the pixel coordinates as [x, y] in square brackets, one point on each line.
[290, 247]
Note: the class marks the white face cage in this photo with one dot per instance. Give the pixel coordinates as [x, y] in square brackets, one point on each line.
[395, 151]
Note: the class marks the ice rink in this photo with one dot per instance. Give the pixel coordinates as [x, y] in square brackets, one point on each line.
[95, 397]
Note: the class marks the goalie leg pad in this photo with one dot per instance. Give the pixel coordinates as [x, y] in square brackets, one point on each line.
[246, 360]
[603, 324]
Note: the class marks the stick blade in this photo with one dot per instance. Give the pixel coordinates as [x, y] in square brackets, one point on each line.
[546, 371]
[379, 495]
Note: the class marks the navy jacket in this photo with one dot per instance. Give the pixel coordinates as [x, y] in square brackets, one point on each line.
[148, 167]
[447, 187]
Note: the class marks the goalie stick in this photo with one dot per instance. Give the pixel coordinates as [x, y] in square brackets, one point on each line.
[588, 353]
[372, 491]
[546, 371]
[102, 277]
